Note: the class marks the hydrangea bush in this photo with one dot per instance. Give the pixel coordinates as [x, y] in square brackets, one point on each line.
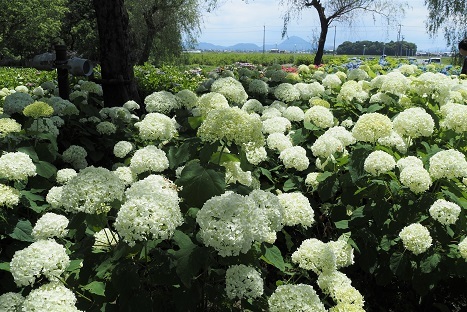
[260, 189]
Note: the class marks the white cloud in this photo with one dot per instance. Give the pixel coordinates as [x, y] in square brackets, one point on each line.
[238, 22]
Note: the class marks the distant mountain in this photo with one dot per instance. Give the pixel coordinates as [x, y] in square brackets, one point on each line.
[291, 44]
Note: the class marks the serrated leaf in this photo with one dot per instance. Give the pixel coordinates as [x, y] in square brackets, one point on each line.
[273, 256]
[178, 155]
[200, 184]
[22, 231]
[95, 287]
[430, 263]
[45, 169]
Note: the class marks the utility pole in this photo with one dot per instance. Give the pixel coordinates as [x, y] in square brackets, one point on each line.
[334, 50]
[398, 40]
[264, 39]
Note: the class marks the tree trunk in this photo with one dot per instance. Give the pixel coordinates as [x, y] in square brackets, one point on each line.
[149, 40]
[118, 83]
[322, 36]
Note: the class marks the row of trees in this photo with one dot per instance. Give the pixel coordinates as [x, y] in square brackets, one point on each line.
[401, 48]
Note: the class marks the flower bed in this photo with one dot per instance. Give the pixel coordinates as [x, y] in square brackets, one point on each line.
[313, 189]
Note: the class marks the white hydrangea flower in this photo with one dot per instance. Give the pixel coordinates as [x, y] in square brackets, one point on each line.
[409, 161]
[9, 196]
[16, 166]
[416, 178]
[313, 254]
[7, 126]
[50, 225]
[156, 126]
[258, 87]
[105, 239]
[462, 247]
[271, 214]
[445, 212]
[243, 282]
[233, 173]
[357, 74]
[270, 112]
[454, 117]
[343, 252]
[11, 302]
[414, 122]
[300, 297]
[276, 125]
[52, 297]
[298, 209]
[42, 258]
[253, 106]
[231, 88]
[312, 179]
[379, 162]
[125, 174]
[294, 113]
[295, 157]
[352, 90]
[16, 102]
[309, 90]
[151, 210]
[320, 116]
[372, 126]
[187, 98]
[131, 105]
[106, 128]
[161, 102]
[232, 125]
[326, 146]
[255, 154]
[346, 307]
[210, 101]
[337, 285]
[396, 83]
[122, 149]
[92, 191]
[341, 133]
[448, 164]
[348, 123]
[416, 238]
[278, 141]
[65, 175]
[286, 92]
[149, 158]
[332, 81]
[54, 197]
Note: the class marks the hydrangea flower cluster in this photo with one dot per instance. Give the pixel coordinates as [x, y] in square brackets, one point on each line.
[233, 173]
[394, 140]
[253, 106]
[161, 102]
[65, 175]
[50, 225]
[379, 162]
[258, 87]
[278, 141]
[300, 297]
[232, 125]
[187, 98]
[298, 209]
[243, 282]
[315, 255]
[445, 212]
[61, 106]
[230, 223]
[357, 74]
[294, 113]
[454, 117]
[42, 258]
[149, 158]
[11, 302]
[125, 174]
[92, 191]
[9, 196]
[16, 166]
[151, 210]
[448, 164]
[16, 102]
[309, 90]
[312, 179]
[51, 297]
[76, 156]
[416, 238]
[395, 83]
[326, 146]
[295, 157]
[106, 128]
[339, 287]
[320, 116]
[462, 247]
[352, 90]
[409, 161]
[7, 126]
[156, 126]
[210, 101]
[414, 122]
[54, 197]
[286, 92]
[255, 154]
[332, 82]
[122, 149]
[416, 178]
[231, 88]
[372, 126]
[276, 125]
[38, 109]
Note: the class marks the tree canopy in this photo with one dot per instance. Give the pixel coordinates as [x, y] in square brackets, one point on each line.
[330, 11]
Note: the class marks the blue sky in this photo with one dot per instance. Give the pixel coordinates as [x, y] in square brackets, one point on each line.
[235, 21]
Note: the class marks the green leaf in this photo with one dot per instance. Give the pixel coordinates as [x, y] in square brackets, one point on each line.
[30, 151]
[95, 287]
[267, 174]
[273, 256]
[374, 108]
[178, 155]
[430, 263]
[200, 184]
[22, 231]
[399, 264]
[218, 158]
[195, 122]
[5, 266]
[45, 169]
[342, 224]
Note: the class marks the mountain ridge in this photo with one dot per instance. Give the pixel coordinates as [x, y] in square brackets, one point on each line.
[292, 44]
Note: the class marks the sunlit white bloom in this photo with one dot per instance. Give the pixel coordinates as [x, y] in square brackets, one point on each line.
[276, 124]
[327, 145]
[65, 175]
[156, 126]
[11, 302]
[295, 157]
[315, 255]
[233, 173]
[462, 246]
[253, 106]
[9, 196]
[379, 162]
[231, 88]
[448, 164]
[298, 209]
[312, 179]
[416, 178]
[372, 126]
[161, 102]
[416, 238]
[357, 74]
[131, 105]
[309, 90]
[149, 158]
[342, 134]
[454, 117]
[125, 174]
[300, 297]
[394, 140]
[445, 212]
[258, 87]
[414, 122]
[122, 148]
[352, 90]
[16, 166]
[338, 286]
[294, 113]
[396, 83]
[50, 225]
[8, 125]
[51, 297]
[270, 112]
[187, 98]
[105, 239]
[278, 141]
[320, 116]
[286, 92]
[255, 154]
[331, 81]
